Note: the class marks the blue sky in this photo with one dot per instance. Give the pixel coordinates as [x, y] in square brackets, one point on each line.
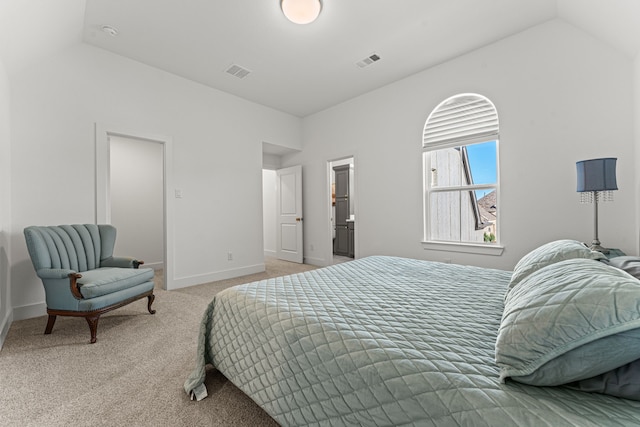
[482, 161]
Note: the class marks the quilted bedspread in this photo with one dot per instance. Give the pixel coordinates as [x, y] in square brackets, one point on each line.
[382, 341]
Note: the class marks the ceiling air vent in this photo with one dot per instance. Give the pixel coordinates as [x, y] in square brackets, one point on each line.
[368, 61]
[237, 71]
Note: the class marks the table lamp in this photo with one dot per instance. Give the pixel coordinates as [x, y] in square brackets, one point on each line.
[596, 182]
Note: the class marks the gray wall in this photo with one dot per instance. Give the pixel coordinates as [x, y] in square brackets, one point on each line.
[636, 115]
[6, 311]
[561, 96]
[217, 159]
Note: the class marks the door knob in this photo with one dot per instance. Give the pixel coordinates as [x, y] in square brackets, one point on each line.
[298, 219]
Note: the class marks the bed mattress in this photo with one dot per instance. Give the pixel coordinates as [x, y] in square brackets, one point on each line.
[382, 341]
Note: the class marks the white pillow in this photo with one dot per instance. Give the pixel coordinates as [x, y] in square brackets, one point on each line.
[569, 321]
[548, 254]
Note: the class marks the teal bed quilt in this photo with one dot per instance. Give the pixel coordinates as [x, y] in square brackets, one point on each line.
[387, 341]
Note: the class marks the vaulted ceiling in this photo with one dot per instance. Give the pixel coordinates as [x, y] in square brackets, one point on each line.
[299, 69]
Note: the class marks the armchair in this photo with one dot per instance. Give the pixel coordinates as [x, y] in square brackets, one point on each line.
[81, 277]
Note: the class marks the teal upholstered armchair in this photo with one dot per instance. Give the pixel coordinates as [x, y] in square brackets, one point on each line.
[81, 276]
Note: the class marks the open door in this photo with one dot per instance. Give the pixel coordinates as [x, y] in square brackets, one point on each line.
[289, 214]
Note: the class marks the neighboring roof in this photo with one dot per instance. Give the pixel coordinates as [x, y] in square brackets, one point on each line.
[489, 202]
[487, 205]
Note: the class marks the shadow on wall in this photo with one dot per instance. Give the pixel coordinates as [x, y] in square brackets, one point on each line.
[25, 284]
[4, 276]
[5, 296]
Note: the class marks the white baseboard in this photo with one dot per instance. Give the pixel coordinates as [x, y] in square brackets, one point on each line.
[5, 324]
[30, 311]
[185, 282]
[270, 253]
[318, 262]
[154, 265]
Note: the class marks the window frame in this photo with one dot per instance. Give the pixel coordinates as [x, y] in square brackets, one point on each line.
[459, 246]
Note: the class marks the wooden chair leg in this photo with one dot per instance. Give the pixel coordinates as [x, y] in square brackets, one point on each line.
[93, 326]
[50, 323]
[150, 299]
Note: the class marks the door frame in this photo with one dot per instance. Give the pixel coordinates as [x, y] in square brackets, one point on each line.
[103, 190]
[329, 167]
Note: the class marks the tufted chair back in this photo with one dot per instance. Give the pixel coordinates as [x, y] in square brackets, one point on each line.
[79, 247]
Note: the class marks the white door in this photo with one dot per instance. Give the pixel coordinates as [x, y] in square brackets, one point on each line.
[289, 214]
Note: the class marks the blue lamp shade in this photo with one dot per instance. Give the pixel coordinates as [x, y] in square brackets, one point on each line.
[597, 174]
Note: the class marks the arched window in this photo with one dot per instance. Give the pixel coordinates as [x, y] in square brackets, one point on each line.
[461, 176]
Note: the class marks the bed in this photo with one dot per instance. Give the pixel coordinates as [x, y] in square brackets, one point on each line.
[387, 341]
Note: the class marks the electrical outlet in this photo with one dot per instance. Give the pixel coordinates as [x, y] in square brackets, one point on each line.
[229, 256]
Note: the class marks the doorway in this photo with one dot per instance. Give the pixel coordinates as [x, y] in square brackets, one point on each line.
[137, 198]
[133, 173]
[342, 216]
[269, 212]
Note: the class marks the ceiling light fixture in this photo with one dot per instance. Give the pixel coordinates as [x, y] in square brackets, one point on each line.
[108, 29]
[301, 11]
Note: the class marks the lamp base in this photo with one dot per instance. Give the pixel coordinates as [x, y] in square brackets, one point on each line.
[595, 246]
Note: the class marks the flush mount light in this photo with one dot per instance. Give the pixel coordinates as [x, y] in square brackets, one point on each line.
[301, 11]
[108, 29]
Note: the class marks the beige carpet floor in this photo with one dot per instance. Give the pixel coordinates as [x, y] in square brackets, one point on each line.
[133, 374]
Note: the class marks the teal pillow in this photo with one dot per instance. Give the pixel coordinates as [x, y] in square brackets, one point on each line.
[548, 254]
[630, 264]
[568, 321]
[620, 382]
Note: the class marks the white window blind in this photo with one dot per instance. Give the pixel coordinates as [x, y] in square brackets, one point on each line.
[461, 118]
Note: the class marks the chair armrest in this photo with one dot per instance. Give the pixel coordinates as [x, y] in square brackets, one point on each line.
[74, 287]
[47, 274]
[54, 273]
[121, 262]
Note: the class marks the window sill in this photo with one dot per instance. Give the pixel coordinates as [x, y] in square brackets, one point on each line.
[469, 248]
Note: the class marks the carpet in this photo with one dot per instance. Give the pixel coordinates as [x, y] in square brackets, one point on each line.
[133, 374]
